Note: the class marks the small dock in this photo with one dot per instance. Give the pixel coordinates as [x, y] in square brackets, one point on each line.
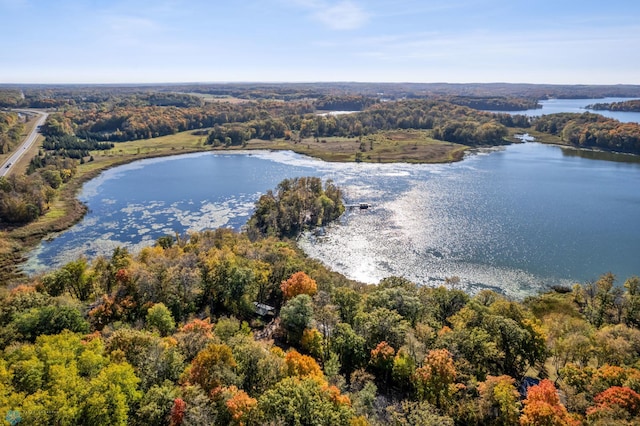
[361, 206]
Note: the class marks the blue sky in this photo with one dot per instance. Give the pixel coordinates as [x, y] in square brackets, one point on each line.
[456, 41]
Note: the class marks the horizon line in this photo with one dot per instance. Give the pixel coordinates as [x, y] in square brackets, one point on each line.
[280, 82]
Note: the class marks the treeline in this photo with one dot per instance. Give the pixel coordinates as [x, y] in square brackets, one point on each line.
[25, 198]
[125, 123]
[234, 124]
[448, 122]
[172, 335]
[71, 146]
[70, 96]
[60, 95]
[629, 106]
[495, 103]
[11, 128]
[344, 103]
[589, 130]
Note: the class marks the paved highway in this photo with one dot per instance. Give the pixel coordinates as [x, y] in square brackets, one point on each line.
[30, 139]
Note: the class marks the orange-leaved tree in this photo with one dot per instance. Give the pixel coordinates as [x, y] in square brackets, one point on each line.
[382, 359]
[234, 406]
[213, 366]
[615, 402]
[298, 283]
[543, 407]
[302, 365]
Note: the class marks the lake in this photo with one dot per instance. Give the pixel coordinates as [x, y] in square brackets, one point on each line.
[553, 106]
[515, 219]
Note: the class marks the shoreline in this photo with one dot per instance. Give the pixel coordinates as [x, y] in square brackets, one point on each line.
[69, 210]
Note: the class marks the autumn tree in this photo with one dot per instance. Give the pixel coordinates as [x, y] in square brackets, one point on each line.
[301, 365]
[434, 380]
[63, 379]
[616, 404]
[194, 336]
[298, 283]
[234, 406]
[382, 360]
[499, 400]
[213, 366]
[542, 407]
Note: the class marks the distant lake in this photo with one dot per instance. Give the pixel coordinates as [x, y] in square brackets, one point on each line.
[553, 106]
[515, 219]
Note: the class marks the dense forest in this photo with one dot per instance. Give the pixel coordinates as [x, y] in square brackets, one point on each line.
[218, 328]
[632, 106]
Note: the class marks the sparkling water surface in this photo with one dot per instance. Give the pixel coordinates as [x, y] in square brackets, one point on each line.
[515, 219]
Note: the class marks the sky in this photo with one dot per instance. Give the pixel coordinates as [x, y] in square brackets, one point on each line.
[453, 41]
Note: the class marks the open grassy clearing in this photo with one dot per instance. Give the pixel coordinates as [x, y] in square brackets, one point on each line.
[539, 136]
[220, 98]
[411, 146]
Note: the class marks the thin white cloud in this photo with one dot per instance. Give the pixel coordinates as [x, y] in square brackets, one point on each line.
[130, 30]
[345, 15]
[13, 4]
[336, 15]
[493, 45]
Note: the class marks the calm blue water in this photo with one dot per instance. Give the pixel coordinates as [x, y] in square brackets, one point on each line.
[553, 106]
[516, 219]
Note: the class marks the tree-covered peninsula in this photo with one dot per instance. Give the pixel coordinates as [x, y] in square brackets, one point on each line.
[628, 106]
[592, 131]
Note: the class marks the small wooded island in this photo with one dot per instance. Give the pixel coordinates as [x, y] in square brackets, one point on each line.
[241, 328]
